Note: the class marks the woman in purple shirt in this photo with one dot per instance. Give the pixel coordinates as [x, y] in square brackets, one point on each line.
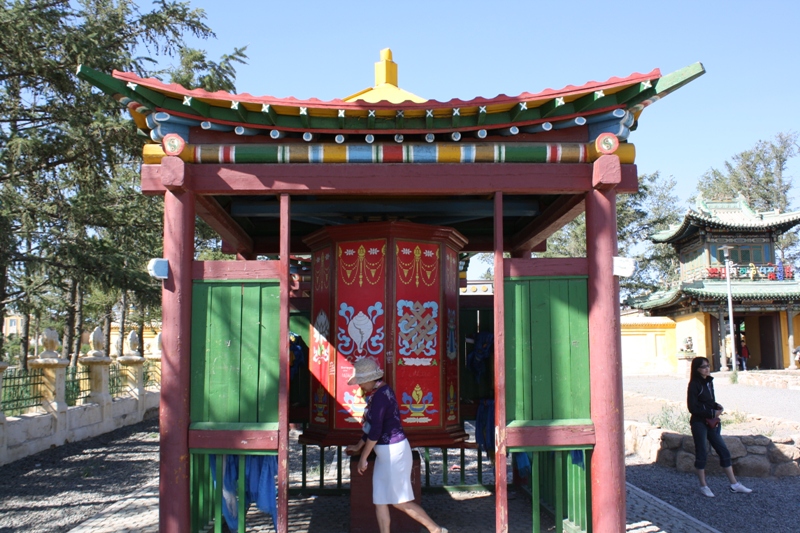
[383, 432]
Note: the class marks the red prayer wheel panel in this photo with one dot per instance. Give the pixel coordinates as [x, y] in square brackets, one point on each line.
[386, 291]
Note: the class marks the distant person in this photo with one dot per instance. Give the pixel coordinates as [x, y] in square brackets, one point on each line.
[383, 432]
[745, 355]
[706, 426]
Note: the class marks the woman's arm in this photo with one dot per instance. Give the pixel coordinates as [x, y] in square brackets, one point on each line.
[362, 463]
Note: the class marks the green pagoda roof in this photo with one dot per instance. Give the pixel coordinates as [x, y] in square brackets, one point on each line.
[727, 215]
[717, 290]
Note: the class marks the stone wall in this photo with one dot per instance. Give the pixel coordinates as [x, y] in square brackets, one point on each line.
[752, 455]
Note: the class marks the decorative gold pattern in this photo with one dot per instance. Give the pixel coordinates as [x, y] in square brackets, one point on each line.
[322, 273]
[361, 268]
[411, 269]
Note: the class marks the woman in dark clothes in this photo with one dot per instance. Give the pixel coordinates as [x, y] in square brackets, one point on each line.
[383, 432]
[703, 406]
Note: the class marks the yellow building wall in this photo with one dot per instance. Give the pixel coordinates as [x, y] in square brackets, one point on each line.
[648, 346]
[146, 345]
[787, 350]
[695, 326]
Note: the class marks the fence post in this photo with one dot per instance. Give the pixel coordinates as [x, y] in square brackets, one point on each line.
[3, 445]
[54, 390]
[154, 356]
[98, 364]
[134, 375]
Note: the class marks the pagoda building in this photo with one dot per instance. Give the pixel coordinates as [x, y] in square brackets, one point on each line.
[764, 293]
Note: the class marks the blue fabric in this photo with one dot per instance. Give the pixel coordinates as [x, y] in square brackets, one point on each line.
[297, 354]
[700, 433]
[523, 464]
[484, 425]
[577, 458]
[260, 472]
[481, 351]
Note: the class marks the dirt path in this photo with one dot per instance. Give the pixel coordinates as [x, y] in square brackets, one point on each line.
[657, 411]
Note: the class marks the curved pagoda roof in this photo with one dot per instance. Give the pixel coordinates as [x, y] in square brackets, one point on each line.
[718, 291]
[611, 105]
[727, 215]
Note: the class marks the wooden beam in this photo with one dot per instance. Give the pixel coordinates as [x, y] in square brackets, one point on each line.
[553, 218]
[238, 270]
[407, 179]
[233, 440]
[522, 437]
[500, 459]
[571, 266]
[283, 373]
[226, 227]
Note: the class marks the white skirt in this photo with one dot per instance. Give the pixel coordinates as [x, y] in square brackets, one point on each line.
[391, 480]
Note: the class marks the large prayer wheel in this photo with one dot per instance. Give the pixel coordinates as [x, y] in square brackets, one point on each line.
[387, 291]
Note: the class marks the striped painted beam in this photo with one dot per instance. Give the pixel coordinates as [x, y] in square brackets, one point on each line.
[389, 153]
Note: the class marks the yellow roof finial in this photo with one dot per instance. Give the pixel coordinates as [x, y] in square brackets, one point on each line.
[386, 69]
[386, 89]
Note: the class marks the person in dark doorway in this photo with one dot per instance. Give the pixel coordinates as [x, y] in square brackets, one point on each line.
[745, 355]
[706, 426]
[383, 433]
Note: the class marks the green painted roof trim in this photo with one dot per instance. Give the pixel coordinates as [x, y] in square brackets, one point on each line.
[718, 290]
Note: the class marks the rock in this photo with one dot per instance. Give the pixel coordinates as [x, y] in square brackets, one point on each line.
[735, 446]
[759, 450]
[782, 440]
[752, 466]
[667, 457]
[755, 440]
[688, 444]
[786, 470]
[671, 440]
[780, 453]
[684, 461]
[796, 439]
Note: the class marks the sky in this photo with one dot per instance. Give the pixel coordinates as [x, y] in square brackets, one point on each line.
[465, 49]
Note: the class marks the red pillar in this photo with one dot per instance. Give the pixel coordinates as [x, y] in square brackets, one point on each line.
[605, 360]
[283, 379]
[500, 464]
[176, 296]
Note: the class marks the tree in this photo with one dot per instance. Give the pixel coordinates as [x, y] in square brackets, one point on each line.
[72, 219]
[759, 174]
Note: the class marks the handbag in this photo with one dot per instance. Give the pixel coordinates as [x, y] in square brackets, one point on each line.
[712, 422]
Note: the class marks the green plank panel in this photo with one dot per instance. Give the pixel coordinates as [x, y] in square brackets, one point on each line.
[579, 348]
[218, 519]
[241, 522]
[198, 383]
[535, 492]
[560, 348]
[541, 354]
[514, 330]
[224, 341]
[269, 362]
[558, 488]
[251, 306]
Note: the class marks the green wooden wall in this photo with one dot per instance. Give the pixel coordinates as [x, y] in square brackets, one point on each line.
[234, 353]
[547, 349]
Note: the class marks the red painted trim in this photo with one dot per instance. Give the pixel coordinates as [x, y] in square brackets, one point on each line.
[500, 466]
[283, 382]
[573, 266]
[225, 270]
[607, 173]
[605, 364]
[176, 294]
[415, 179]
[233, 440]
[517, 437]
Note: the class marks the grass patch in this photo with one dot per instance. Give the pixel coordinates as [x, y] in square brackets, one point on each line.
[671, 418]
[734, 377]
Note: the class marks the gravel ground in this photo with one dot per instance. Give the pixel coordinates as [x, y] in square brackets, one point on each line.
[57, 489]
[771, 507]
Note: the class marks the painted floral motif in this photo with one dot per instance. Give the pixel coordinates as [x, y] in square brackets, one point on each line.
[320, 402]
[417, 405]
[452, 346]
[360, 338]
[322, 329]
[417, 330]
[354, 404]
[451, 402]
